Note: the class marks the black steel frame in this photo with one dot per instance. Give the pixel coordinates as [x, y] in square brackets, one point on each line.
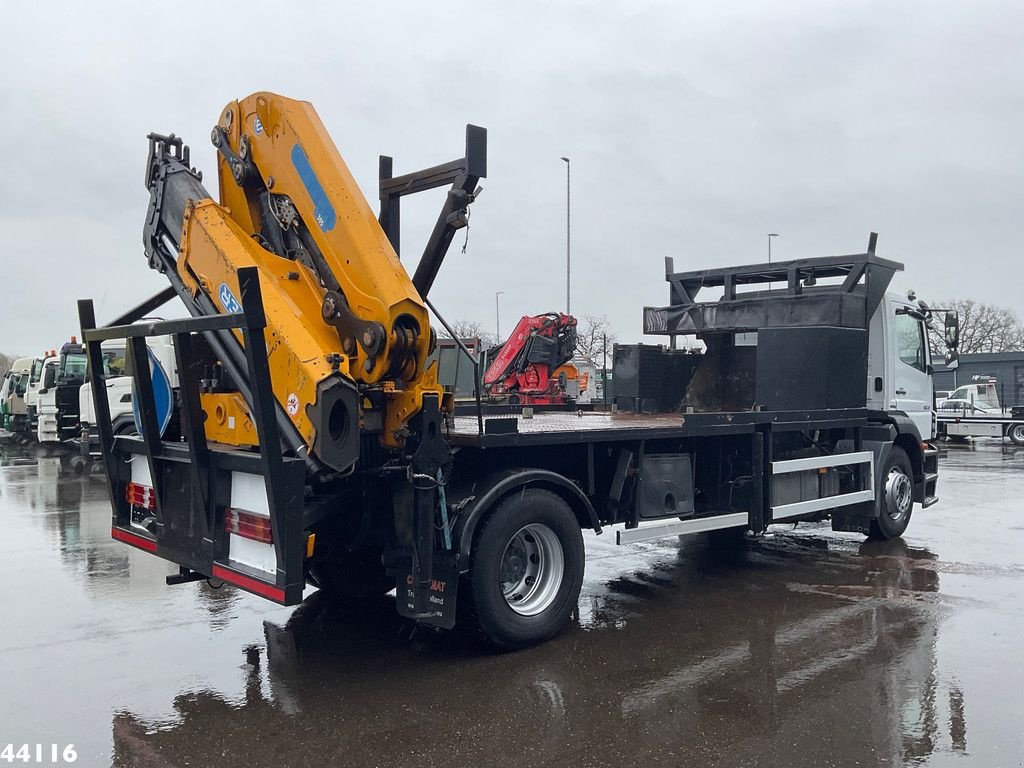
[206, 468]
[686, 315]
[463, 174]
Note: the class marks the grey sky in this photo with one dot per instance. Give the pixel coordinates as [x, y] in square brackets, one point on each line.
[694, 129]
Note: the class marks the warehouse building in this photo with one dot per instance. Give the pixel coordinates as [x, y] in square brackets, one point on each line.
[1006, 367]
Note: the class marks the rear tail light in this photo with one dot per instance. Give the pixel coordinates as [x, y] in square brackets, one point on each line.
[248, 525]
[140, 496]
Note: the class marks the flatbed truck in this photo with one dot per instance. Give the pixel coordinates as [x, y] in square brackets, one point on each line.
[811, 401]
[974, 410]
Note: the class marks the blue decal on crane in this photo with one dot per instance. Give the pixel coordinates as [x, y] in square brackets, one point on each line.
[323, 211]
[163, 395]
[228, 300]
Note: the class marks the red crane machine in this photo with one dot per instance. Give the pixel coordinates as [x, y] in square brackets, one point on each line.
[534, 365]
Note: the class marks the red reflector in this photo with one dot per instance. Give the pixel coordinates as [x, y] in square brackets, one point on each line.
[249, 583]
[130, 538]
[248, 525]
[139, 495]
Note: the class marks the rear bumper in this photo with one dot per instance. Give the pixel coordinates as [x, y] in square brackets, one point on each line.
[187, 528]
[229, 572]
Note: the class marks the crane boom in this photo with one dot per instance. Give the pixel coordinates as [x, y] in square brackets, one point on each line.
[349, 333]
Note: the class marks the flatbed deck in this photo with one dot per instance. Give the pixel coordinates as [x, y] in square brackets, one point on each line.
[561, 428]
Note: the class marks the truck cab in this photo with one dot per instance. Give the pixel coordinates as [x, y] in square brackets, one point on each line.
[899, 363]
[35, 378]
[13, 398]
[117, 375]
[5, 387]
[63, 377]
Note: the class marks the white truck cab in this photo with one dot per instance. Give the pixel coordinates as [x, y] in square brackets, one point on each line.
[12, 398]
[900, 382]
[46, 401]
[35, 378]
[119, 385]
[119, 388]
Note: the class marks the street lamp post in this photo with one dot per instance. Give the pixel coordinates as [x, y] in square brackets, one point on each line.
[568, 210]
[497, 316]
[770, 236]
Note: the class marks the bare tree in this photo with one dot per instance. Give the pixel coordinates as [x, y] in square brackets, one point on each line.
[983, 328]
[469, 329]
[6, 362]
[592, 331]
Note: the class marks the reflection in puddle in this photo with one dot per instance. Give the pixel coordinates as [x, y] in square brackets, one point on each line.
[668, 662]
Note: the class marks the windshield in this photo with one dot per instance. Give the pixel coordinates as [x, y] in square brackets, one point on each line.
[72, 368]
[114, 362]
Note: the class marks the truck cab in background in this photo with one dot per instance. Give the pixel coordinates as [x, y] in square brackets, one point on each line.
[35, 379]
[63, 377]
[5, 386]
[117, 375]
[12, 399]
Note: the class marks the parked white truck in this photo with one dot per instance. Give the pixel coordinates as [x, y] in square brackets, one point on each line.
[12, 398]
[974, 410]
[118, 379]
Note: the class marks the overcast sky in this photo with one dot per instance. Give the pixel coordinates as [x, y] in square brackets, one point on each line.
[694, 129]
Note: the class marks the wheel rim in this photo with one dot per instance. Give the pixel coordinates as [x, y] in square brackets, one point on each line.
[899, 492]
[531, 569]
[1017, 433]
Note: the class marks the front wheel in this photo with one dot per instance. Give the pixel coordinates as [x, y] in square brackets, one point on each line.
[527, 569]
[1016, 433]
[897, 497]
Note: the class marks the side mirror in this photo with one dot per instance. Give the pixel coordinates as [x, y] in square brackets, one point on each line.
[49, 378]
[952, 330]
[952, 339]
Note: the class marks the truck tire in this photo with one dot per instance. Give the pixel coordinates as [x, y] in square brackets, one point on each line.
[527, 569]
[897, 497]
[356, 576]
[124, 425]
[1016, 433]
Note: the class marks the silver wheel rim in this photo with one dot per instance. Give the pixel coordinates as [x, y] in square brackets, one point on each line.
[899, 493]
[531, 569]
[1017, 433]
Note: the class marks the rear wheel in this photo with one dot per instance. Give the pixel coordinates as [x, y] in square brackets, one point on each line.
[527, 569]
[897, 497]
[1016, 433]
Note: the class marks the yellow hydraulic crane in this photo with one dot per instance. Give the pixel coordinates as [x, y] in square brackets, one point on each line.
[348, 331]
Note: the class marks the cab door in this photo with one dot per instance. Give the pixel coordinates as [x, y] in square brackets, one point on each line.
[912, 380]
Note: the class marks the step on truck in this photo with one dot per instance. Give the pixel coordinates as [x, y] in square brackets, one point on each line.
[314, 445]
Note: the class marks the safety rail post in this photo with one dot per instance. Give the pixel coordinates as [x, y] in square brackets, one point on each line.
[189, 375]
[104, 427]
[279, 491]
[145, 403]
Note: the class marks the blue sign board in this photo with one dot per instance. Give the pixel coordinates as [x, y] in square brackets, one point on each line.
[163, 395]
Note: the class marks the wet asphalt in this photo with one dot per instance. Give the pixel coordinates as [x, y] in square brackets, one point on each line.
[801, 648]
